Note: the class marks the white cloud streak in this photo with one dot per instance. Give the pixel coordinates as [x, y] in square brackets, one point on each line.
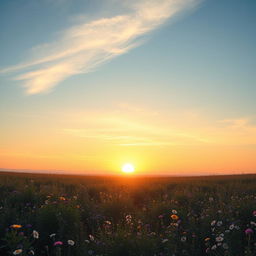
[134, 129]
[82, 48]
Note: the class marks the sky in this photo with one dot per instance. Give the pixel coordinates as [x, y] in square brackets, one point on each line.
[88, 85]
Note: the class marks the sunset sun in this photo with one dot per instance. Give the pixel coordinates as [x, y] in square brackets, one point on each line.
[128, 168]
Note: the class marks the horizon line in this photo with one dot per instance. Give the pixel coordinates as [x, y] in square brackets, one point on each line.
[69, 173]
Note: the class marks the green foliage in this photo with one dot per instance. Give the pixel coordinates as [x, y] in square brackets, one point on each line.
[112, 216]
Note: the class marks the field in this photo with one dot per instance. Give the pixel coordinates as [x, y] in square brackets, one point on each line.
[136, 216]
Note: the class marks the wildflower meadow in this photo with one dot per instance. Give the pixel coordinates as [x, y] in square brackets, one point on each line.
[64, 215]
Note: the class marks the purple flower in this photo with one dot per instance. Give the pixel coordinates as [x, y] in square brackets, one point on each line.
[248, 231]
[58, 243]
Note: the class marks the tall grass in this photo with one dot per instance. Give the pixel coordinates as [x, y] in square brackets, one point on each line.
[79, 216]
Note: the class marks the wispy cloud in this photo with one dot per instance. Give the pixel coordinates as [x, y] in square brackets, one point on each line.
[83, 47]
[133, 128]
[137, 126]
[239, 123]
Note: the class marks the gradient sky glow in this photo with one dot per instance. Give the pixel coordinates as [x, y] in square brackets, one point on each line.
[88, 85]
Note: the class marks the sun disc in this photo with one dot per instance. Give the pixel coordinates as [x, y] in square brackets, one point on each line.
[128, 168]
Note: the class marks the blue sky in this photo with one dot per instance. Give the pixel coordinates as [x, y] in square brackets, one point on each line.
[208, 53]
[202, 60]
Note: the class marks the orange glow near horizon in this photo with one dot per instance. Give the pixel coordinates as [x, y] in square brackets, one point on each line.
[100, 142]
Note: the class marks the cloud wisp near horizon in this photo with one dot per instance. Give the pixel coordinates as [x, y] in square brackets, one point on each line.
[83, 47]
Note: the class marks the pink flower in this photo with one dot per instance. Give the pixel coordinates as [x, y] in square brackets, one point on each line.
[254, 213]
[248, 231]
[58, 243]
